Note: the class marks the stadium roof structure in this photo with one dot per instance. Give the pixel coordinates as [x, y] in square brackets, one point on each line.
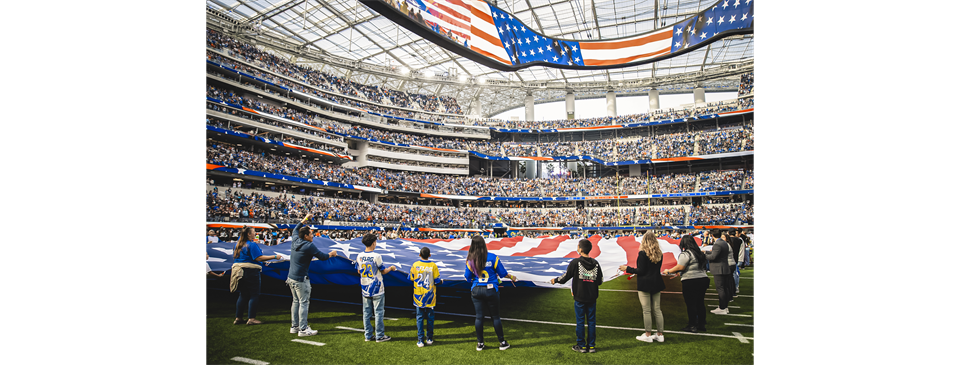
[348, 39]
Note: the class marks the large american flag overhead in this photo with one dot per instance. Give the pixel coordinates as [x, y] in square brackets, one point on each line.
[499, 39]
[533, 260]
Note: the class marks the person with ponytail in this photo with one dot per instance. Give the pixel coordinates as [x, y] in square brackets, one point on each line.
[247, 258]
[483, 271]
[692, 269]
[649, 285]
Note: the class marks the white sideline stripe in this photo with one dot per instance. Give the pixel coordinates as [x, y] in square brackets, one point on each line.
[735, 315]
[510, 319]
[249, 361]
[308, 342]
[740, 337]
[737, 324]
[348, 328]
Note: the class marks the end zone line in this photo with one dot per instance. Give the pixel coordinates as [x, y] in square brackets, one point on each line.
[249, 361]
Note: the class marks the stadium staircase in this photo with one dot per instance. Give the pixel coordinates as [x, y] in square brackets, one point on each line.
[696, 148]
[539, 153]
[696, 187]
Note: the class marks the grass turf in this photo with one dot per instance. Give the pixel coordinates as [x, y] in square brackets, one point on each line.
[531, 343]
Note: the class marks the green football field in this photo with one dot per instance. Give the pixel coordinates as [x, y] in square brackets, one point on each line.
[537, 322]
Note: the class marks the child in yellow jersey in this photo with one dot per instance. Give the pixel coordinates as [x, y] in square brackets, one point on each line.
[425, 275]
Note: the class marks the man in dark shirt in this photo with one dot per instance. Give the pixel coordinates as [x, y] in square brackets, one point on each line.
[587, 277]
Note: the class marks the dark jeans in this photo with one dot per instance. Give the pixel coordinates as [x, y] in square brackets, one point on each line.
[588, 311]
[722, 283]
[694, 290]
[249, 287]
[425, 314]
[489, 298]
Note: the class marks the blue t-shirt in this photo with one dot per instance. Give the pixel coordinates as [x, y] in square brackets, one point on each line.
[493, 269]
[249, 253]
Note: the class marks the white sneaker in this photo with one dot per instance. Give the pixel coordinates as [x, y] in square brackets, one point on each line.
[294, 330]
[646, 338]
[419, 344]
[307, 332]
[429, 342]
[657, 337]
[721, 311]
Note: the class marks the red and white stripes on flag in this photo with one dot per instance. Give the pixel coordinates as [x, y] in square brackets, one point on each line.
[633, 49]
[484, 38]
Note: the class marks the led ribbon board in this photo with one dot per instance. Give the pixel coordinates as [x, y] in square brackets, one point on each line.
[495, 38]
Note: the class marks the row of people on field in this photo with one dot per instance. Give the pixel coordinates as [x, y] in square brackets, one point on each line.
[484, 270]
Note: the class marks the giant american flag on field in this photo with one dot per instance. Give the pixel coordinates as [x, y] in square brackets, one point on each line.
[533, 260]
[498, 35]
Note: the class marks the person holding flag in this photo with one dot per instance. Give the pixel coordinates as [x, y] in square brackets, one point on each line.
[425, 276]
[587, 277]
[483, 271]
[302, 251]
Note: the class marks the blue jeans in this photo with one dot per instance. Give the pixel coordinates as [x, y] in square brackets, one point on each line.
[301, 303]
[249, 287]
[588, 310]
[488, 299]
[425, 313]
[736, 278]
[371, 306]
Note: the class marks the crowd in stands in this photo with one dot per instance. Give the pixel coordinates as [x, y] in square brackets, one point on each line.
[729, 139]
[223, 124]
[431, 103]
[322, 80]
[264, 161]
[746, 84]
[722, 180]
[235, 206]
[396, 161]
[706, 214]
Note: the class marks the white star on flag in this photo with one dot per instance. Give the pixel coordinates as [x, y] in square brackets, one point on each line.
[528, 40]
[736, 4]
[574, 47]
[514, 27]
[570, 63]
[540, 49]
[693, 32]
[501, 30]
[744, 17]
[549, 48]
[733, 18]
[510, 17]
[523, 29]
[577, 59]
[241, 171]
[536, 39]
[726, 4]
[524, 54]
[709, 21]
[506, 45]
[720, 21]
[704, 35]
[554, 58]
[679, 30]
[677, 45]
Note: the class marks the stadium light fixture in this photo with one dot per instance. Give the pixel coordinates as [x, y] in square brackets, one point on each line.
[463, 78]
[482, 80]
[404, 71]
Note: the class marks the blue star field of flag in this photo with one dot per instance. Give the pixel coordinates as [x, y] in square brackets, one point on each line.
[723, 16]
[524, 45]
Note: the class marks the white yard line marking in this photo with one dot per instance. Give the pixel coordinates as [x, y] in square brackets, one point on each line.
[738, 324]
[392, 319]
[664, 292]
[249, 361]
[348, 328]
[735, 315]
[740, 337]
[308, 342]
